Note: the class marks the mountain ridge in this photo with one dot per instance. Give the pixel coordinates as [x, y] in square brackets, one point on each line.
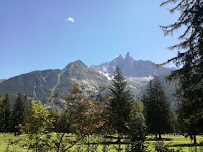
[130, 67]
[37, 84]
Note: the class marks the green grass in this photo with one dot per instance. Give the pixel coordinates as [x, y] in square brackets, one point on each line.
[4, 143]
[98, 143]
[175, 142]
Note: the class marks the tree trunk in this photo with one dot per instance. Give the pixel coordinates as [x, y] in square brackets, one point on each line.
[156, 135]
[119, 139]
[88, 143]
[195, 140]
[159, 136]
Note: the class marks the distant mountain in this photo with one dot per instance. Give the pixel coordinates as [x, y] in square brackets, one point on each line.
[130, 67]
[1, 80]
[37, 84]
[138, 74]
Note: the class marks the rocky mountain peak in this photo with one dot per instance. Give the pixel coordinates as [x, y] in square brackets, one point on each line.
[127, 55]
[129, 59]
[77, 63]
[130, 67]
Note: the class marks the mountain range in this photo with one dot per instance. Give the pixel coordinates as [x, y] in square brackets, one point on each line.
[37, 84]
[130, 67]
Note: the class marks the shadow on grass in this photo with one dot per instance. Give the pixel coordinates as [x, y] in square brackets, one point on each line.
[108, 143]
[186, 145]
[162, 139]
[110, 137]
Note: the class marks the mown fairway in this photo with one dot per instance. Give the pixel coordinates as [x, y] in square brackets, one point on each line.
[171, 140]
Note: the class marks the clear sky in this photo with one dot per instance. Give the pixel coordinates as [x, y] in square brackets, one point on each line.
[49, 34]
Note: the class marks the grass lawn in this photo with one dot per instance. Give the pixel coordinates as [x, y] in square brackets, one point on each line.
[105, 145]
[177, 141]
[4, 140]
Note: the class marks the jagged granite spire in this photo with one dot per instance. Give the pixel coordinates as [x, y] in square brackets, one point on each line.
[130, 67]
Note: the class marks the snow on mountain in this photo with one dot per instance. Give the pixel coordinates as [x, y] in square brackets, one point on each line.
[130, 67]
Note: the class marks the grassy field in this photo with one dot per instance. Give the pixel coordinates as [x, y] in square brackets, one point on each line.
[177, 141]
[4, 140]
[171, 140]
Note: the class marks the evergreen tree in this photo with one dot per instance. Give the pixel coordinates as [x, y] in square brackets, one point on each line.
[119, 103]
[190, 75]
[157, 109]
[6, 114]
[18, 113]
[1, 114]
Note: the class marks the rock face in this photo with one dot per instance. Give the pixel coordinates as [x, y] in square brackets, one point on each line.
[130, 67]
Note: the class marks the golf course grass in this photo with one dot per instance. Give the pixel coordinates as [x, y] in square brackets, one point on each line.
[100, 144]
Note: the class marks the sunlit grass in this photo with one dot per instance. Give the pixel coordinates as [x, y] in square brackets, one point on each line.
[99, 143]
[4, 143]
[175, 142]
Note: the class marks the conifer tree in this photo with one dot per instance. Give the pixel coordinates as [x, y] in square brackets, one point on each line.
[157, 109]
[1, 114]
[119, 103]
[190, 57]
[6, 113]
[18, 113]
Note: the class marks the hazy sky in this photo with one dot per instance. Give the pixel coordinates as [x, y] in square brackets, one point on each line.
[49, 34]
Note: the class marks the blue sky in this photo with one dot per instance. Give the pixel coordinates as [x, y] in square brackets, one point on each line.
[37, 35]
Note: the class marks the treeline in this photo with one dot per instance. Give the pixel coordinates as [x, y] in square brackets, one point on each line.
[10, 116]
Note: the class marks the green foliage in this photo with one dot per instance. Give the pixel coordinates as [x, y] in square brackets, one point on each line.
[1, 114]
[38, 126]
[119, 106]
[136, 126]
[5, 114]
[190, 59]
[157, 109]
[161, 147]
[18, 113]
[80, 113]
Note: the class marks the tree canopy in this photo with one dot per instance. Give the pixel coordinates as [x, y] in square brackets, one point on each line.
[190, 60]
[157, 108]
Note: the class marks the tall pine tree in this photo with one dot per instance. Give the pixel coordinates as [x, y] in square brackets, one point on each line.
[18, 113]
[1, 114]
[190, 57]
[157, 108]
[119, 103]
[6, 113]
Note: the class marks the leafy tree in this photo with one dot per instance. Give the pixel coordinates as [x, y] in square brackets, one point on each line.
[38, 126]
[190, 59]
[119, 105]
[61, 123]
[136, 126]
[157, 109]
[18, 113]
[80, 114]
